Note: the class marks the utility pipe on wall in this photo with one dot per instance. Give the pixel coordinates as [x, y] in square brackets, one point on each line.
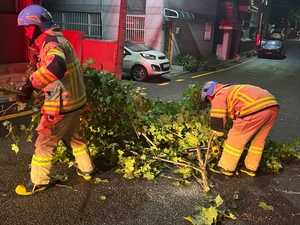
[121, 37]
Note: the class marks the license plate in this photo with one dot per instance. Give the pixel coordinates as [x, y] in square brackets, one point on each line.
[166, 65]
[268, 53]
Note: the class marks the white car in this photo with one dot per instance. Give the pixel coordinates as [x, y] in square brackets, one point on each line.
[140, 62]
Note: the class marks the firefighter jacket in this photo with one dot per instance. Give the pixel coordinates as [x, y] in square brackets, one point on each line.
[59, 74]
[237, 101]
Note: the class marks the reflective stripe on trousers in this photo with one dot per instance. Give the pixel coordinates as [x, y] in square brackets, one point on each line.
[255, 127]
[51, 130]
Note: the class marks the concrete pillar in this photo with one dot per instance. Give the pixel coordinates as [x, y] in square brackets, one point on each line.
[223, 49]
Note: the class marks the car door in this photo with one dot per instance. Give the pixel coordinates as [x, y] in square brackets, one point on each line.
[127, 62]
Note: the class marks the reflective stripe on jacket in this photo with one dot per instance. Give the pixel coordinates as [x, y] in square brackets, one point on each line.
[238, 101]
[59, 74]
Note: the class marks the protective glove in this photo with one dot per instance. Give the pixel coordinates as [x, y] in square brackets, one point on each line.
[27, 89]
[21, 98]
[218, 133]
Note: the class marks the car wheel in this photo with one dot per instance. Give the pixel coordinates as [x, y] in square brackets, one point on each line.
[139, 73]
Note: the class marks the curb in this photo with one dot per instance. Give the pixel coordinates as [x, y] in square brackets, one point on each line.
[221, 65]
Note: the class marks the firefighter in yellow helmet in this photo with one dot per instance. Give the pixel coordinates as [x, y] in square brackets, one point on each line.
[59, 75]
[253, 111]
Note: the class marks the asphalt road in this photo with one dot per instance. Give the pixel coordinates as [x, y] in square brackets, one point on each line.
[141, 202]
[280, 77]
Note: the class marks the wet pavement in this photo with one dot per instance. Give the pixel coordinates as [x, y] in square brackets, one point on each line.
[114, 200]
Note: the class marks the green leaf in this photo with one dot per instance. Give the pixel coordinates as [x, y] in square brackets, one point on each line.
[23, 127]
[21, 106]
[102, 197]
[99, 180]
[178, 159]
[185, 171]
[5, 123]
[218, 200]
[129, 168]
[230, 216]
[188, 218]
[15, 148]
[177, 184]
[265, 206]
[149, 175]
[210, 215]
[61, 177]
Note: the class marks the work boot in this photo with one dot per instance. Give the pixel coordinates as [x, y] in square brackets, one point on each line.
[220, 170]
[245, 170]
[30, 188]
[86, 175]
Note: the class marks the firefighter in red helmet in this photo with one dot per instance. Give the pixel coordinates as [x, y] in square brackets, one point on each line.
[253, 111]
[59, 75]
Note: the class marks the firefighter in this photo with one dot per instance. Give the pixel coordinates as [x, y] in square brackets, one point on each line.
[59, 75]
[253, 111]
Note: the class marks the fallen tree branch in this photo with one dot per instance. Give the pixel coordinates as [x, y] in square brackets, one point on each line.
[204, 184]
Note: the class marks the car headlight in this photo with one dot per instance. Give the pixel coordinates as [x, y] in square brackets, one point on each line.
[148, 56]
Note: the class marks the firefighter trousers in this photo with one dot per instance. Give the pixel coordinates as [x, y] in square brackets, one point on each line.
[51, 130]
[253, 128]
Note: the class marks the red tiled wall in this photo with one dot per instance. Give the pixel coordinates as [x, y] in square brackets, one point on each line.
[75, 38]
[103, 52]
[12, 41]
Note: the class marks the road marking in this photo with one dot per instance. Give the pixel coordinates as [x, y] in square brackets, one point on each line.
[163, 84]
[141, 88]
[179, 80]
[205, 74]
[11, 116]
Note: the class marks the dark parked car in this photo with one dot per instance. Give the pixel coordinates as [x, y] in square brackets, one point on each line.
[273, 48]
[277, 35]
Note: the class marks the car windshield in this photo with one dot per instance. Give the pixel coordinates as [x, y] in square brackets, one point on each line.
[273, 43]
[135, 47]
[277, 36]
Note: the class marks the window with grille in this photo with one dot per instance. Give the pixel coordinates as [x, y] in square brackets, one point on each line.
[89, 23]
[136, 5]
[207, 31]
[135, 28]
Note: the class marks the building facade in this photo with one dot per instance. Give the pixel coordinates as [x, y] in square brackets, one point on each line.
[173, 27]
[193, 27]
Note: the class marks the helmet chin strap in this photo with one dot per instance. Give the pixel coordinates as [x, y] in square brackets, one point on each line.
[209, 98]
[37, 32]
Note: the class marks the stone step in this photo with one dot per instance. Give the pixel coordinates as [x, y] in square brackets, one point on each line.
[12, 77]
[13, 68]
[3, 97]
[14, 72]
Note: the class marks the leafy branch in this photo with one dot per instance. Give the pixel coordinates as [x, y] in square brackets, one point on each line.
[140, 135]
[211, 215]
